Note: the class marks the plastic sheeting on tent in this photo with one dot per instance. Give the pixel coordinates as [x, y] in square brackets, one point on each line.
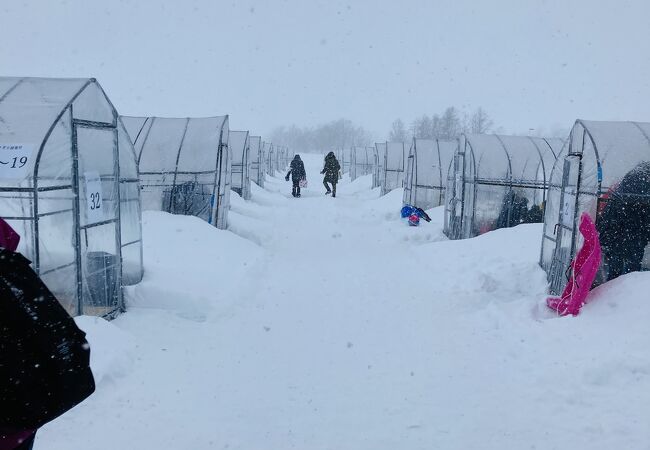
[256, 157]
[269, 157]
[184, 165]
[239, 144]
[69, 187]
[497, 182]
[426, 172]
[378, 172]
[344, 156]
[394, 164]
[361, 161]
[283, 158]
[603, 171]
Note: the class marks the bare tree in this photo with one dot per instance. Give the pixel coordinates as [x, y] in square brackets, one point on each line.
[422, 128]
[450, 126]
[398, 131]
[480, 122]
[329, 136]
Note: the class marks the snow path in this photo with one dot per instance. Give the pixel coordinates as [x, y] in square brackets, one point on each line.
[340, 330]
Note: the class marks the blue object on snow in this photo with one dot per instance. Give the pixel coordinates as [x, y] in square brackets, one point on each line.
[407, 210]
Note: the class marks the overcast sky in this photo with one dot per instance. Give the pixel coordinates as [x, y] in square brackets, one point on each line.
[530, 63]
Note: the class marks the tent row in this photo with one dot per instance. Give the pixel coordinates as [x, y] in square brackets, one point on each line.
[75, 177]
[385, 161]
[486, 182]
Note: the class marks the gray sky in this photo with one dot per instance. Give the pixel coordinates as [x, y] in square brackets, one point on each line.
[530, 63]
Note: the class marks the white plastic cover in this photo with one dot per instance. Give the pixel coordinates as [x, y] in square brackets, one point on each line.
[239, 143]
[60, 189]
[394, 165]
[180, 162]
[426, 172]
[256, 157]
[500, 181]
[595, 160]
[379, 172]
[362, 161]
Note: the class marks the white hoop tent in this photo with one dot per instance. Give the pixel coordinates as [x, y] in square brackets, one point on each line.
[69, 187]
[496, 182]
[256, 157]
[269, 158]
[239, 144]
[184, 165]
[394, 162]
[427, 166]
[344, 157]
[604, 171]
[378, 172]
[361, 161]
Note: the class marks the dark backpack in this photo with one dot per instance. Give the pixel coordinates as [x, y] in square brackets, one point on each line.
[44, 356]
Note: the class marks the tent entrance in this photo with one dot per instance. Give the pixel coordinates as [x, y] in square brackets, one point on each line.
[457, 196]
[566, 222]
[98, 241]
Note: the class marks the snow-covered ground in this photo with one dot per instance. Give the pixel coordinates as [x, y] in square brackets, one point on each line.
[320, 323]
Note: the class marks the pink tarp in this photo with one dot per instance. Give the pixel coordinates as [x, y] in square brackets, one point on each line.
[584, 268]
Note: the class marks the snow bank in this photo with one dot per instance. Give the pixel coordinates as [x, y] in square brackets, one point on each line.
[350, 330]
[111, 349]
[190, 266]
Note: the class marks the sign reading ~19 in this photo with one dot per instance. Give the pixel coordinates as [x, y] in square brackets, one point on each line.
[15, 160]
[94, 197]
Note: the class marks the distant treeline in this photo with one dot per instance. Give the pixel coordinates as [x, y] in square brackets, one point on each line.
[343, 133]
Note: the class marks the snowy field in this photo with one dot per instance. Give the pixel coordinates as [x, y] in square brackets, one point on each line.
[320, 323]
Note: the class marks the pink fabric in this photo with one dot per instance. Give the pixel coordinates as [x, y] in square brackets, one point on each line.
[11, 440]
[585, 266]
[9, 239]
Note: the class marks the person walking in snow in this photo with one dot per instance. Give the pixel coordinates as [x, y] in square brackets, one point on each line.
[298, 174]
[331, 171]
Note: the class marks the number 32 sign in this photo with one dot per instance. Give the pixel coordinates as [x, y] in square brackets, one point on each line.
[94, 198]
[15, 160]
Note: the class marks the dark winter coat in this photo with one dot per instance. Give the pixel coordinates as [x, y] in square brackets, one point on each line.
[514, 210]
[297, 170]
[331, 169]
[44, 356]
[624, 223]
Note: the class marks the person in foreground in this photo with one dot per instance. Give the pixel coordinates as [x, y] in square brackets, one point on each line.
[298, 174]
[44, 356]
[331, 171]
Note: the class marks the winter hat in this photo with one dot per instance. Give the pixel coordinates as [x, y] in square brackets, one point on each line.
[414, 220]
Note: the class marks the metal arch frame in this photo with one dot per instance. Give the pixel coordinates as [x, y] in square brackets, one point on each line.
[440, 187]
[456, 224]
[245, 167]
[142, 141]
[178, 157]
[509, 182]
[220, 188]
[384, 189]
[410, 172]
[74, 187]
[586, 132]
[255, 165]
[135, 181]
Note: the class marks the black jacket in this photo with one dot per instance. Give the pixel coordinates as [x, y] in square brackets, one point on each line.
[297, 170]
[44, 356]
[624, 223]
[331, 169]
